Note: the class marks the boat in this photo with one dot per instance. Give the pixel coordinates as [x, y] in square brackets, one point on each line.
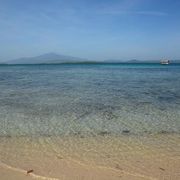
[165, 62]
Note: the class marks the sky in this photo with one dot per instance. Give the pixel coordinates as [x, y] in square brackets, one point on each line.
[92, 29]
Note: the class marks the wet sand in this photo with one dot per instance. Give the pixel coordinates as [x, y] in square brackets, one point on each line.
[91, 158]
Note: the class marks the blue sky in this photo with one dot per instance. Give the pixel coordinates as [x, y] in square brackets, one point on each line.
[93, 29]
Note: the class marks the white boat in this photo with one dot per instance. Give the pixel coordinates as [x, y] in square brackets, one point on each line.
[165, 62]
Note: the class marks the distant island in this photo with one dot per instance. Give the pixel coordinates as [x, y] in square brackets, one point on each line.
[48, 58]
[54, 58]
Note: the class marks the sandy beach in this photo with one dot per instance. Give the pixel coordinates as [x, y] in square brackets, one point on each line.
[97, 158]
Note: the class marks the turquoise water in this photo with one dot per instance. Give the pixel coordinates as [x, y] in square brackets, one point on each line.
[89, 99]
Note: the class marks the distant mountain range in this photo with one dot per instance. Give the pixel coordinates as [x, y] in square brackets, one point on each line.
[135, 61]
[47, 59]
[53, 58]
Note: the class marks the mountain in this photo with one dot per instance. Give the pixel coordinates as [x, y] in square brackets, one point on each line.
[134, 61]
[47, 59]
[113, 61]
[53, 58]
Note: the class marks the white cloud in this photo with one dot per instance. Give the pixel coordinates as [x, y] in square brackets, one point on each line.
[151, 13]
[128, 7]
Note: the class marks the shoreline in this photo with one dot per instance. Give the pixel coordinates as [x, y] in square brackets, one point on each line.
[95, 172]
[103, 157]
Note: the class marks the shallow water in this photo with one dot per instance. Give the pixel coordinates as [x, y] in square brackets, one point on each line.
[37, 100]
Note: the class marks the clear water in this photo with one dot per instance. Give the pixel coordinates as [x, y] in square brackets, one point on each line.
[89, 99]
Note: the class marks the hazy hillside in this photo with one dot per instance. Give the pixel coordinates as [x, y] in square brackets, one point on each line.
[46, 58]
[50, 58]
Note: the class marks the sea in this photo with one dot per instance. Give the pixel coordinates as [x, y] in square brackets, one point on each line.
[89, 101]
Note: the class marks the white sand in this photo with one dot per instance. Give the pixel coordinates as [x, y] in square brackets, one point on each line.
[102, 158]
